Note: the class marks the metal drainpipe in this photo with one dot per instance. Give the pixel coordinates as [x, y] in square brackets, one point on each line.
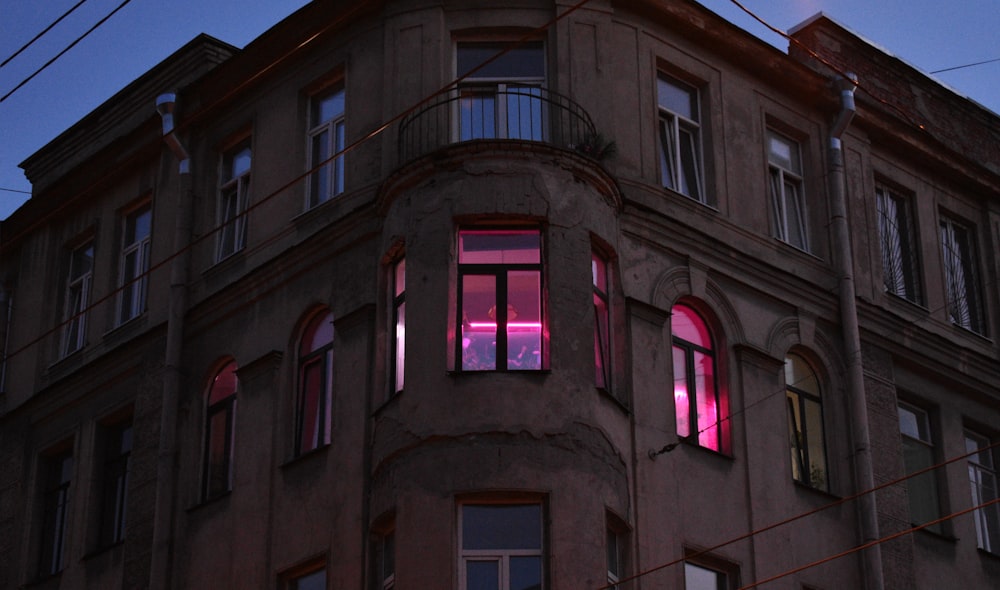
[861, 440]
[163, 516]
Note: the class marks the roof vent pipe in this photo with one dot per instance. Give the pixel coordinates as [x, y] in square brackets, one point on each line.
[165, 104]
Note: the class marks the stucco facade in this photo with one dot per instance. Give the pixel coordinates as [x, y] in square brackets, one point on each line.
[272, 351]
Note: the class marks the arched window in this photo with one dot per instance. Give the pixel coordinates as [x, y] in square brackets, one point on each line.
[805, 423]
[220, 418]
[312, 425]
[702, 414]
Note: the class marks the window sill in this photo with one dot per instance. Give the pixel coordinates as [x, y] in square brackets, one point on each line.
[988, 554]
[305, 457]
[806, 488]
[927, 533]
[690, 199]
[688, 443]
[609, 395]
[104, 550]
[904, 302]
[216, 499]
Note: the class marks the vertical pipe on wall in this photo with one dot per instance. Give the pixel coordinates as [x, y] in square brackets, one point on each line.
[163, 516]
[861, 438]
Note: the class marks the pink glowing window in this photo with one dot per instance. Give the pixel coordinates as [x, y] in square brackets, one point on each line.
[501, 321]
[700, 410]
[602, 341]
[315, 384]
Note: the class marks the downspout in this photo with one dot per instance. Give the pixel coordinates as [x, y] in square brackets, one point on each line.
[166, 462]
[861, 439]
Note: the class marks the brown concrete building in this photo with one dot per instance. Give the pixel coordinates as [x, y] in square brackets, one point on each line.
[333, 319]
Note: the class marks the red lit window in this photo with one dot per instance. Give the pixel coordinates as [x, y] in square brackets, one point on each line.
[500, 301]
[602, 347]
[399, 317]
[219, 421]
[315, 384]
[699, 407]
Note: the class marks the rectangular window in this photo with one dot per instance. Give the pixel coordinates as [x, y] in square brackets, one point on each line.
[680, 137]
[81, 272]
[897, 235]
[983, 481]
[326, 138]
[502, 99]
[135, 262]
[386, 559]
[961, 273]
[399, 322]
[117, 441]
[500, 300]
[233, 198]
[788, 207]
[57, 473]
[315, 580]
[918, 454]
[616, 555]
[602, 339]
[697, 577]
[501, 547]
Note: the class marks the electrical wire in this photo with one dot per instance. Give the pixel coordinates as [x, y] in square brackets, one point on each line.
[800, 516]
[978, 63]
[39, 35]
[63, 52]
[14, 190]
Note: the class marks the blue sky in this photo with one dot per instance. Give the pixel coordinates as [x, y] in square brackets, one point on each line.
[928, 34]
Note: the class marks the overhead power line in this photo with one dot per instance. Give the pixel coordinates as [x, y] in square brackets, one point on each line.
[63, 52]
[978, 63]
[39, 35]
[14, 190]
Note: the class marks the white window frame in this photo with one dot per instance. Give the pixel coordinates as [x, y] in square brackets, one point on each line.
[78, 287]
[983, 483]
[335, 131]
[786, 186]
[681, 161]
[500, 556]
[897, 238]
[233, 200]
[134, 263]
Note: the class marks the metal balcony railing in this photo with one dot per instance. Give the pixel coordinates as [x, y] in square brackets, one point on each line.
[525, 113]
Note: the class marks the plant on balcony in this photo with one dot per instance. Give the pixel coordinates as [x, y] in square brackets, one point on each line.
[594, 145]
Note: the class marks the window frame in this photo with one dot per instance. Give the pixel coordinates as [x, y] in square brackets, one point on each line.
[117, 439]
[502, 556]
[78, 291]
[134, 276]
[722, 578]
[899, 244]
[925, 445]
[599, 270]
[690, 350]
[783, 175]
[966, 307]
[982, 467]
[677, 173]
[225, 406]
[323, 355]
[233, 200]
[481, 86]
[802, 441]
[502, 306]
[326, 181]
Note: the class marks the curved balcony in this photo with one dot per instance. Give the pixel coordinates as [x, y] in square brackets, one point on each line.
[523, 113]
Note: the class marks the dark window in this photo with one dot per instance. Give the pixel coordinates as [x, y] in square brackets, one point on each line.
[503, 99]
[500, 300]
[788, 207]
[315, 580]
[805, 423]
[961, 273]
[897, 233]
[602, 322]
[697, 577]
[135, 262]
[81, 271]
[233, 198]
[918, 454]
[501, 547]
[983, 482]
[326, 138]
[680, 137]
[700, 409]
[220, 421]
[114, 482]
[315, 384]
[57, 473]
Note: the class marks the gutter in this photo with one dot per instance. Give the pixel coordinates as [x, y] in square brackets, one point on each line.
[166, 462]
[860, 436]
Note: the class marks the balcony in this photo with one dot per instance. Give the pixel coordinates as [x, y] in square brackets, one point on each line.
[495, 112]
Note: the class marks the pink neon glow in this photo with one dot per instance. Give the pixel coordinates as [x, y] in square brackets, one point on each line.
[493, 326]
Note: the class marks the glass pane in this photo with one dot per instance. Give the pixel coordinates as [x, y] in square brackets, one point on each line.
[817, 452]
[317, 334]
[688, 325]
[524, 320]
[224, 384]
[477, 114]
[479, 327]
[338, 163]
[526, 573]
[328, 107]
[689, 169]
[601, 344]
[682, 402]
[319, 183]
[400, 277]
[218, 461]
[708, 407]
[137, 225]
[599, 272]
[524, 113]
[795, 210]
[799, 374]
[699, 578]
[310, 406]
[796, 442]
[499, 247]
[668, 152]
[913, 423]
[514, 526]
[400, 344]
[82, 261]
[678, 98]
[482, 575]
[922, 489]
[313, 581]
[783, 153]
[526, 60]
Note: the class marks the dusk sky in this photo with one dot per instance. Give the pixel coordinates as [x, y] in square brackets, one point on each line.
[928, 34]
